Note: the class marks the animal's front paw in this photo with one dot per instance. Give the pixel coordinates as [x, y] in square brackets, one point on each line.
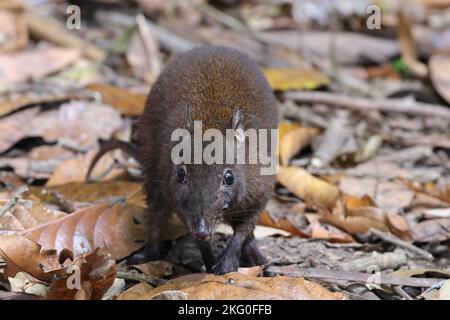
[226, 265]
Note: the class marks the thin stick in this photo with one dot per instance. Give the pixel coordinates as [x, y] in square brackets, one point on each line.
[405, 105]
[318, 273]
[400, 243]
[12, 202]
[135, 276]
[402, 293]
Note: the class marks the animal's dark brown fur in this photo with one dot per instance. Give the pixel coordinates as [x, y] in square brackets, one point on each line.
[208, 84]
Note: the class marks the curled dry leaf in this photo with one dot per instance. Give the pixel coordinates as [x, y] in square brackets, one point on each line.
[433, 230]
[143, 53]
[408, 46]
[357, 215]
[97, 271]
[310, 189]
[21, 255]
[35, 63]
[236, 286]
[282, 223]
[15, 127]
[252, 271]
[45, 273]
[391, 196]
[349, 48]
[14, 31]
[14, 102]
[23, 282]
[158, 269]
[439, 66]
[440, 189]
[89, 192]
[120, 229]
[128, 103]
[329, 232]
[293, 138]
[75, 169]
[26, 214]
[39, 163]
[295, 79]
[360, 222]
[77, 124]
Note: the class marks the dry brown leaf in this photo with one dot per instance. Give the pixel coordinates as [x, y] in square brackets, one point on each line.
[143, 53]
[26, 214]
[97, 270]
[39, 163]
[255, 271]
[369, 215]
[14, 31]
[399, 226]
[236, 286]
[436, 4]
[433, 230]
[89, 192]
[35, 63]
[77, 124]
[27, 267]
[21, 255]
[408, 47]
[11, 103]
[439, 66]
[75, 170]
[15, 127]
[330, 233]
[127, 102]
[158, 269]
[281, 223]
[293, 138]
[350, 48]
[391, 196]
[310, 189]
[353, 224]
[118, 228]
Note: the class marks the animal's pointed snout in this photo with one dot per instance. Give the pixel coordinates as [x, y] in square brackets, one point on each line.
[202, 231]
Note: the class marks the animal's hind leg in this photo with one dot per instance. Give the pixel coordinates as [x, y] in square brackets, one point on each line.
[157, 219]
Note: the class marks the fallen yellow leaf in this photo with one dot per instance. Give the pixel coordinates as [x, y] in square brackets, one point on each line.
[293, 138]
[310, 189]
[295, 79]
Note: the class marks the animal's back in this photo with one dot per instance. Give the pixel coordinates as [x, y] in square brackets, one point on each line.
[206, 84]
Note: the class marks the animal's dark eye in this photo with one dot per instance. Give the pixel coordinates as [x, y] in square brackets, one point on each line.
[181, 175]
[228, 178]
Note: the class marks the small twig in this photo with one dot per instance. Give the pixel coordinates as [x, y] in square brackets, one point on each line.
[404, 105]
[12, 202]
[222, 17]
[402, 293]
[64, 204]
[133, 275]
[2, 265]
[400, 243]
[361, 277]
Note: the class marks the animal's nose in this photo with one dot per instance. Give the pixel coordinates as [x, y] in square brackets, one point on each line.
[202, 235]
[201, 231]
